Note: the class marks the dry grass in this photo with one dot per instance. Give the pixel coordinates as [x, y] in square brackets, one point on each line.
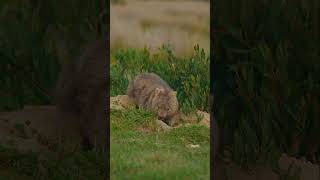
[139, 24]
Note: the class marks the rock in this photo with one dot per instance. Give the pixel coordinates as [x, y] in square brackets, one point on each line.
[205, 118]
[193, 145]
[163, 125]
[120, 102]
[193, 118]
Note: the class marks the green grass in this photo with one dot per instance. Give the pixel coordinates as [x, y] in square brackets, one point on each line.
[139, 151]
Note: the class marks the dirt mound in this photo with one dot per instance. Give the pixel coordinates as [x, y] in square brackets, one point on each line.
[122, 102]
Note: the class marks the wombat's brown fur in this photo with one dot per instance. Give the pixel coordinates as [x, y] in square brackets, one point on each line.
[152, 93]
[82, 94]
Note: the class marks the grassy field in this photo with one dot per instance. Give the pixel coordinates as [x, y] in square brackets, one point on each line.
[139, 151]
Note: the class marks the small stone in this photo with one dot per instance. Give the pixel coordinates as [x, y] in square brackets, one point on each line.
[193, 145]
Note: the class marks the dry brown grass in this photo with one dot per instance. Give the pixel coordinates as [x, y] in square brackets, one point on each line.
[139, 24]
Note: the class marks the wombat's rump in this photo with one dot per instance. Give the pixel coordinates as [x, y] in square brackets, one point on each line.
[82, 93]
[152, 93]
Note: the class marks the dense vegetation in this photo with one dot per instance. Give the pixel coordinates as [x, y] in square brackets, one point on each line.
[266, 77]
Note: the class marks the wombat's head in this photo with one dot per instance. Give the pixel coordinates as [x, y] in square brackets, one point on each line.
[167, 103]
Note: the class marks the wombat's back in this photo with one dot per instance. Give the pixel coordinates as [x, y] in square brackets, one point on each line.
[144, 84]
[152, 93]
[153, 79]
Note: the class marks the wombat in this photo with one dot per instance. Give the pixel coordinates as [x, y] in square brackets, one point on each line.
[82, 94]
[152, 93]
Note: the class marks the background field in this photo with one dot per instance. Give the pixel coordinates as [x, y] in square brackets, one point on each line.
[139, 24]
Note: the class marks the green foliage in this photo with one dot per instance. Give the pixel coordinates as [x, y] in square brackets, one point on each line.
[188, 76]
[267, 76]
[34, 36]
